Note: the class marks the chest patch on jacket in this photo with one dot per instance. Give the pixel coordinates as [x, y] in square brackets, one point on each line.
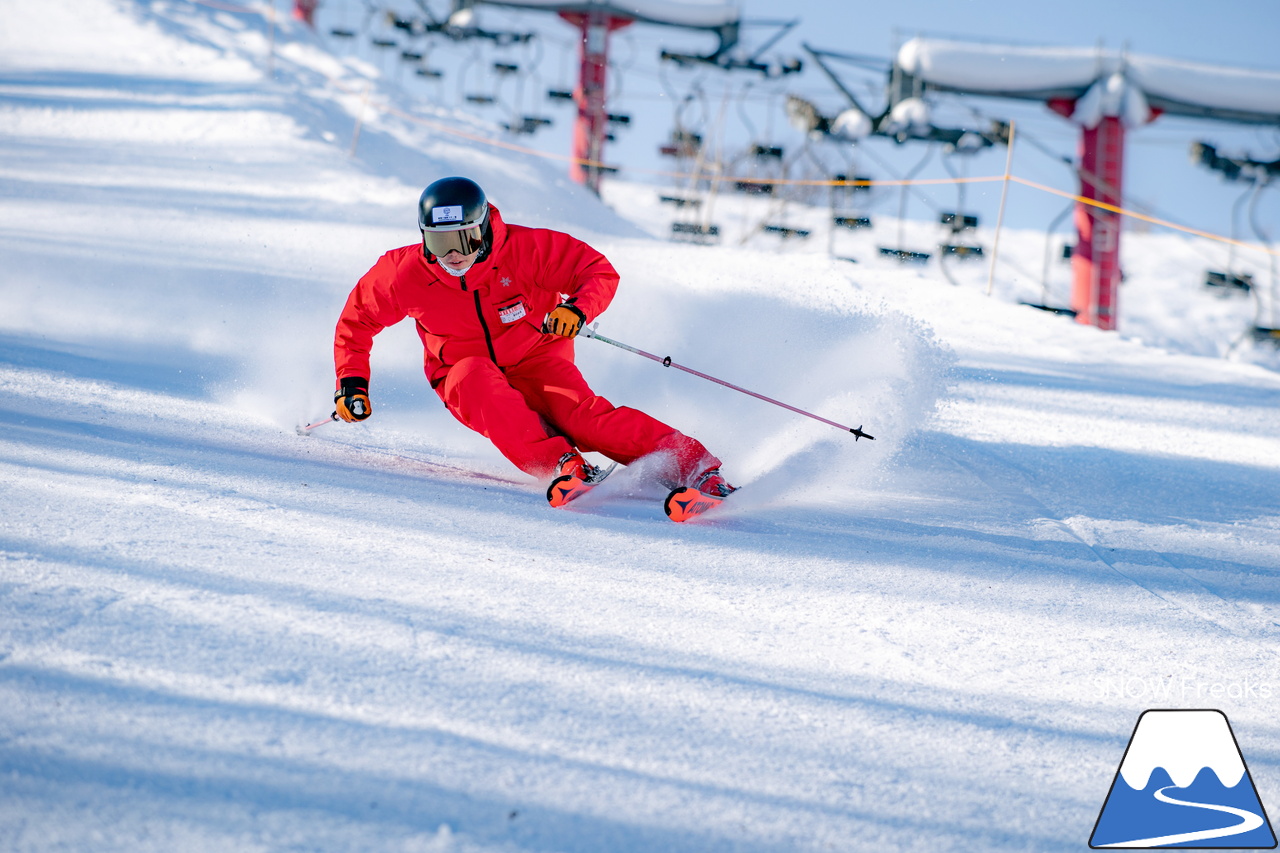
[512, 311]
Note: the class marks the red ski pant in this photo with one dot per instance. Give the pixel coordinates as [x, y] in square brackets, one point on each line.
[538, 410]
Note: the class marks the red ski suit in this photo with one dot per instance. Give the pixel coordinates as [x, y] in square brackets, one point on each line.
[487, 358]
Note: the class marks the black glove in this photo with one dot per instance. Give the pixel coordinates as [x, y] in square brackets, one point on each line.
[565, 319]
[352, 399]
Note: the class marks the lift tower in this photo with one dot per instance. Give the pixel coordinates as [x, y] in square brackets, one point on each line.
[596, 20]
[1106, 93]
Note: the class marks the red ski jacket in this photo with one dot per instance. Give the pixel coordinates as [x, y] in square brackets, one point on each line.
[495, 310]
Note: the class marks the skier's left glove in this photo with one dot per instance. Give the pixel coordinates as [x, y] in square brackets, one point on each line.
[565, 319]
[352, 399]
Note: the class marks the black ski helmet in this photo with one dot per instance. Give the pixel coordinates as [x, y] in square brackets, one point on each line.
[453, 213]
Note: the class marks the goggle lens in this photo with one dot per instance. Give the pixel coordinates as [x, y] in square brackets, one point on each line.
[464, 241]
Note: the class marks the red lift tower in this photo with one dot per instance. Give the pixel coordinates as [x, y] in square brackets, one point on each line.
[1105, 93]
[596, 20]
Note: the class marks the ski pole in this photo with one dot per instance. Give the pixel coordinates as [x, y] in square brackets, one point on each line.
[667, 362]
[306, 430]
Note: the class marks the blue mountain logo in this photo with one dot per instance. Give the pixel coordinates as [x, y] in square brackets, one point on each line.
[1183, 783]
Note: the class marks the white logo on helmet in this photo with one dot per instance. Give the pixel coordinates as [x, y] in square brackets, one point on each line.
[446, 213]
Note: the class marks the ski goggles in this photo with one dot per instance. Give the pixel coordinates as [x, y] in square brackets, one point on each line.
[463, 240]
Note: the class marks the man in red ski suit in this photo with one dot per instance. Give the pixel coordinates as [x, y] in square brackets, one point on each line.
[497, 307]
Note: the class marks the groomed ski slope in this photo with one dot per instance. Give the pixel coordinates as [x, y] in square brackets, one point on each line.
[217, 635]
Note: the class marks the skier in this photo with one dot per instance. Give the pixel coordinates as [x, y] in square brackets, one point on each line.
[497, 307]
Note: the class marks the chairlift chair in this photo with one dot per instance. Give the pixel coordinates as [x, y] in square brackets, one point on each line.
[959, 221]
[682, 144]
[559, 95]
[1265, 334]
[856, 184]
[1064, 312]
[962, 251]
[1228, 281]
[905, 255]
[786, 232]
[750, 187]
[695, 232]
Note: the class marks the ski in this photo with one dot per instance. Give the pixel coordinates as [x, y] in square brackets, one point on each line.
[687, 502]
[567, 487]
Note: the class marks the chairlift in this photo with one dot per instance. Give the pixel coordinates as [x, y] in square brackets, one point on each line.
[1229, 281]
[410, 56]
[853, 223]
[343, 30]
[528, 124]
[1264, 334]
[843, 213]
[682, 144]
[695, 232]
[618, 118]
[959, 221]
[766, 152]
[905, 255]
[559, 95]
[680, 201]
[962, 251]
[430, 73]
[482, 100]
[749, 187]
[385, 43]
[1067, 250]
[856, 184]
[1044, 304]
[786, 232]
[504, 68]
[1062, 312]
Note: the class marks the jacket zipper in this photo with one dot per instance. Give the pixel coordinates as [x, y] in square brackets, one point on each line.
[488, 339]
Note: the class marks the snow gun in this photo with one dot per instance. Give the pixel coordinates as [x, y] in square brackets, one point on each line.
[666, 361]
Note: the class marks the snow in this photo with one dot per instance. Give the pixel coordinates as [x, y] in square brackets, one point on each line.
[1068, 72]
[1183, 743]
[216, 634]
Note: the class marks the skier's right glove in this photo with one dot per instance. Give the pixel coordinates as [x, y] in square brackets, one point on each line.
[352, 399]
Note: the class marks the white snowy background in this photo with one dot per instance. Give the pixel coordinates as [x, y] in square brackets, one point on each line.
[218, 635]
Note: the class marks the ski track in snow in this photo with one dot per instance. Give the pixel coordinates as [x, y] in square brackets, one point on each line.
[216, 634]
